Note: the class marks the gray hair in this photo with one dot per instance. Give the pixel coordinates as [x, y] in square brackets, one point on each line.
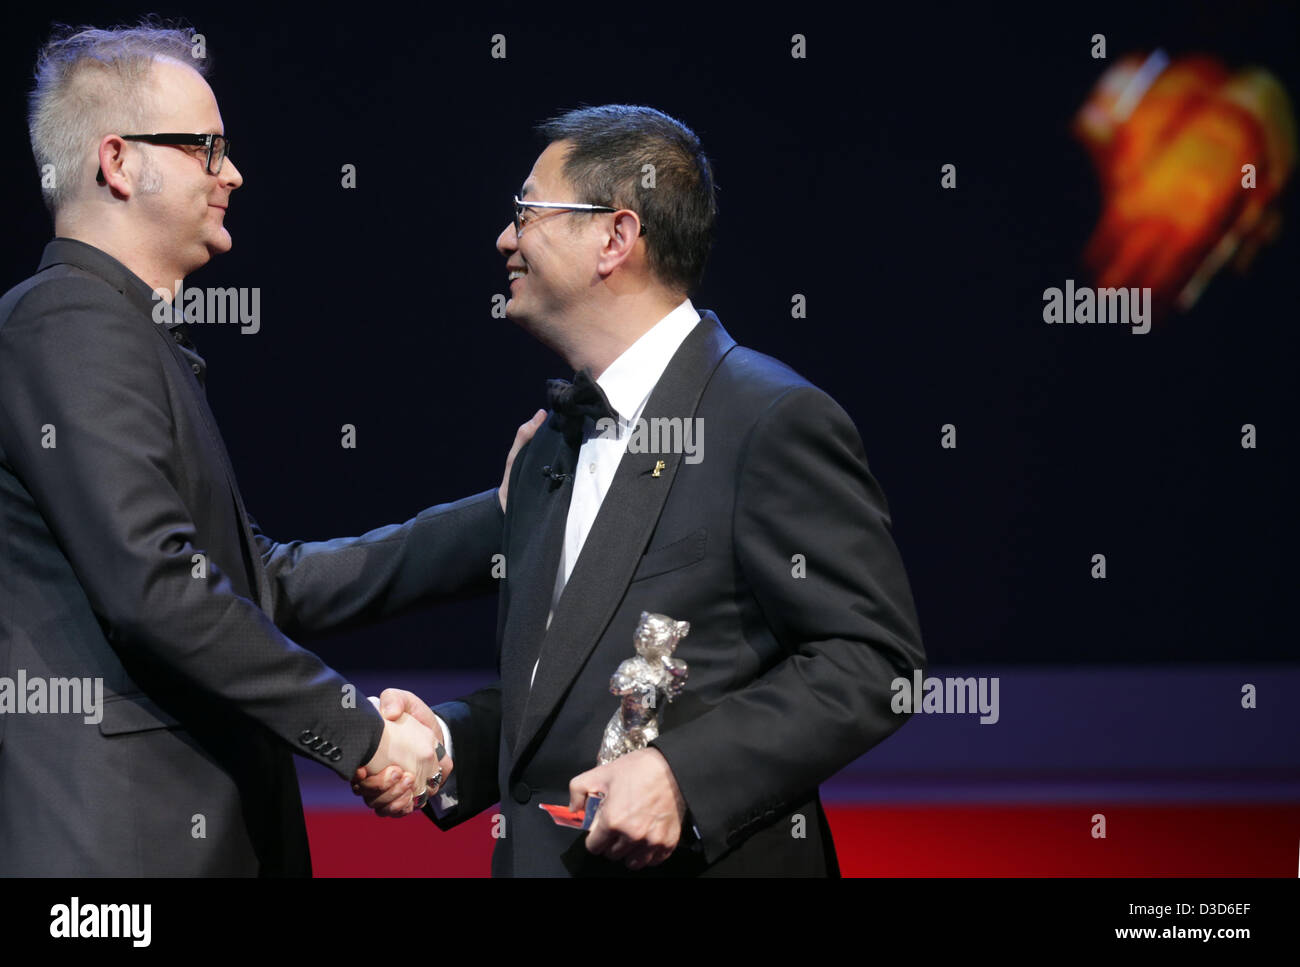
[90, 83]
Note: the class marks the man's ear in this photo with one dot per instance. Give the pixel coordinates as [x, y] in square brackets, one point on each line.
[620, 242]
[112, 159]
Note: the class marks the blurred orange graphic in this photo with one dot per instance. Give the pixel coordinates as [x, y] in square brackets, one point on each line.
[1192, 159]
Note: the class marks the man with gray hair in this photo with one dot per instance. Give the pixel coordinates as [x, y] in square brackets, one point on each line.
[129, 556]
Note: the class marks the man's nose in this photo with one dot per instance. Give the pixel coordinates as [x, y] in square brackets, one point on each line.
[230, 175]
[507, 241]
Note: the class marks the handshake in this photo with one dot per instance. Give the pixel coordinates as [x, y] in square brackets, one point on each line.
[639, 822]
[411, 762]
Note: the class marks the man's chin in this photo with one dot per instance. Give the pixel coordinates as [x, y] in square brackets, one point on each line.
[528, 323]
[222, 243]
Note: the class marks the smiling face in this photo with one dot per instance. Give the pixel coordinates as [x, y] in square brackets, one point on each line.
[551, 266]
[185, 217]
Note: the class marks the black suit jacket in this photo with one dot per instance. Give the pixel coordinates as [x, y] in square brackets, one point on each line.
[189, 770]
[775, 547]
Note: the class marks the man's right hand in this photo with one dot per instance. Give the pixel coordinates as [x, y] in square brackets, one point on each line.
[390, 787]
[522, 436]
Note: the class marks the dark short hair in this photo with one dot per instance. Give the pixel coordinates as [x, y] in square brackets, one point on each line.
[610, 145]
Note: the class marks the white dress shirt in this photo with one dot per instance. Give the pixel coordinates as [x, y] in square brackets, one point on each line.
[627, 383]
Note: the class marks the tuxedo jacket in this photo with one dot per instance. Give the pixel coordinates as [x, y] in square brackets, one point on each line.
[128, 557]
[775, 545]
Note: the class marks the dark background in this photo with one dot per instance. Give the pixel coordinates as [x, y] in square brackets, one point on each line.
[924, 305]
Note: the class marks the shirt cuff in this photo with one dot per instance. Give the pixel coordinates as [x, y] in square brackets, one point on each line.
[445, 800]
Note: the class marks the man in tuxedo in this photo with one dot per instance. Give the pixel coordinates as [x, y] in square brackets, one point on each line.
[130, 567]
[766, 533]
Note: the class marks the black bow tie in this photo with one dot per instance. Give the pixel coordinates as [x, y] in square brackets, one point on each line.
[574, 402]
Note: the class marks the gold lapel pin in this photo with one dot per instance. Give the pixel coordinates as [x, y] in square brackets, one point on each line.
[659, 468]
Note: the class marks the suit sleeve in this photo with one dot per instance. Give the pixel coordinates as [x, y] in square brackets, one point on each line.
[86, 423]
[475, 721]
[444, 552]
[847, 628]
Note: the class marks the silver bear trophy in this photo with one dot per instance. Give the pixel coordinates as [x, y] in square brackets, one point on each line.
[638, 682]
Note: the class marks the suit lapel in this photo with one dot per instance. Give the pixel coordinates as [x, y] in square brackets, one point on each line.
[137, 291]
[188, 358]
[543, 504]
[622, 529]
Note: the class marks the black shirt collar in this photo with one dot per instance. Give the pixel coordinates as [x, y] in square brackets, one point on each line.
[70, 251]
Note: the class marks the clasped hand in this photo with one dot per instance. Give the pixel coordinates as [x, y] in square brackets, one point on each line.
[406, 759]
[639, 823]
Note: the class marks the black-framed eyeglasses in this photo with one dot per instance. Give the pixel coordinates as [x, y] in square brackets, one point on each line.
[560, 206]
[217, 145]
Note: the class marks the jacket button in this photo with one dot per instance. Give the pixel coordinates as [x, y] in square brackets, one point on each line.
[195, 367]
[306, 736]
[520, 792]
[336, 755]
